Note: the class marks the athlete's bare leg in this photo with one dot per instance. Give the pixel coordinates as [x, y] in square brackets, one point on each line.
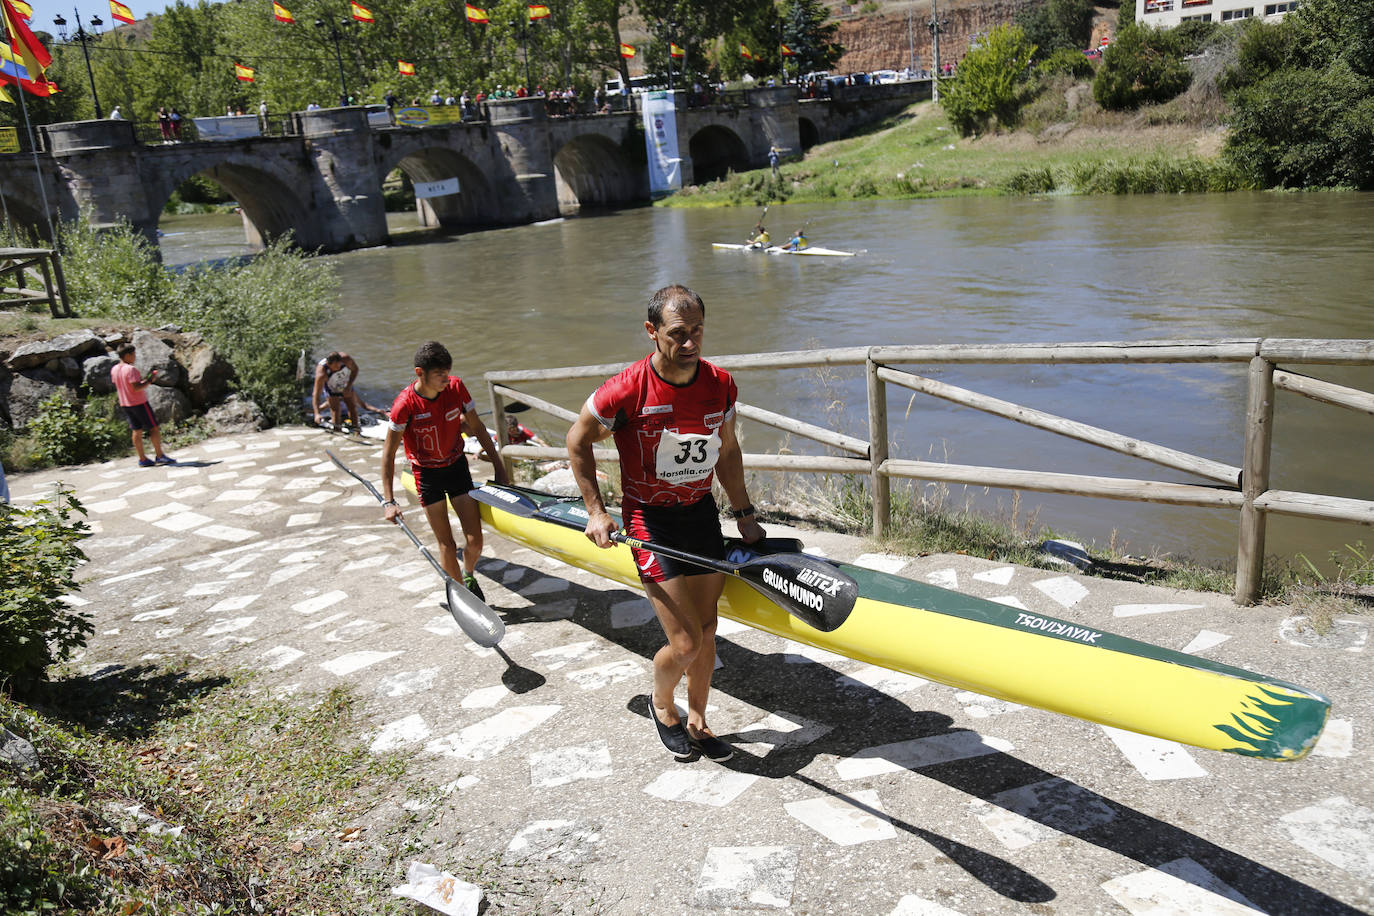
[686, 608]
[470, 518]
[437, 513]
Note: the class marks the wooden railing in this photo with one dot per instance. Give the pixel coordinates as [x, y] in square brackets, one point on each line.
[1245, 488]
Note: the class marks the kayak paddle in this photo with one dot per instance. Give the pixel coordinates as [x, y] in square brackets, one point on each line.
[808, 588]
[475, 619]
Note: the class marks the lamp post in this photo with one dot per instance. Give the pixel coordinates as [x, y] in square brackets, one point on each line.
[82, 37]
[936, 25]
[523, 24]
[336, 36]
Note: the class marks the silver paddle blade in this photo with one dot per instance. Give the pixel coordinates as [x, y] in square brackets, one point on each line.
[473, 617]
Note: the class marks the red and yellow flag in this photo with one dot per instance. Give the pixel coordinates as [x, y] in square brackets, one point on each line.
[788, 52]
[26, 47]
[281, 13]
[121, 12]
[23, 9]
[538, 11]
[627, 51]
[360, 12]
[675, 51]
[476, 14]
[406, 69]
[745, 52]
[243, 74]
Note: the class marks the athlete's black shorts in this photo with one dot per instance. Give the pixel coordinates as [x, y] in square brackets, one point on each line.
[694, 528]
[438, 484]
[140, 416]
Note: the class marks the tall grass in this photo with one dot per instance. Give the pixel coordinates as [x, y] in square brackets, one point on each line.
[1154, 175]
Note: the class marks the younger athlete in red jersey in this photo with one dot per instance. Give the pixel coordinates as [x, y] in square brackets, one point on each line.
[429, 417]
[673, 418]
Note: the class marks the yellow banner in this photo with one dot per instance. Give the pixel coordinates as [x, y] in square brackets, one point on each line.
[430, 115]
[9, 139]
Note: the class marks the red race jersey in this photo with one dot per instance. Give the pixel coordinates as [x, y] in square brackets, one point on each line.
[668, 435]
[432, 430]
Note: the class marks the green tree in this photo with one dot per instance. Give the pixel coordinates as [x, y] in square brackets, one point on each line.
[1056, 24]
[1142, 66]
[807, 30]
[988, 83]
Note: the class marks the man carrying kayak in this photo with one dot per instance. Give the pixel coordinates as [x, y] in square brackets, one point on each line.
[797, 242]
[673, 418]
[428, 416]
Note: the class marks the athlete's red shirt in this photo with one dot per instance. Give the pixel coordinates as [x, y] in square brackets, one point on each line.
[668, 435]
[432, 430]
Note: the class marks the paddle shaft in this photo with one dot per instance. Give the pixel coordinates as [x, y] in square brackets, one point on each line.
[399, 519]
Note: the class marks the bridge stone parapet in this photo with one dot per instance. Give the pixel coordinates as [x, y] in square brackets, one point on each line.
[324, 183]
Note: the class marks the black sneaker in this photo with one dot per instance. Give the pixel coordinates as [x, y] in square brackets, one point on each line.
[711, 747]
[470, 581]
[674, 737]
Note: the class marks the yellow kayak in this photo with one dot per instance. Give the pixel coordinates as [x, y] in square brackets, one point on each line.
[995, 650]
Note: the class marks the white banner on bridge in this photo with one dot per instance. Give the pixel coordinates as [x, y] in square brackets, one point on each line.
[660, 137]
[436, 188]
[230, 127]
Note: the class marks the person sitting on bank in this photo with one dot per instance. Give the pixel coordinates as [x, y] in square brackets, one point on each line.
[759, 238]
[517, 434]
[797, 242]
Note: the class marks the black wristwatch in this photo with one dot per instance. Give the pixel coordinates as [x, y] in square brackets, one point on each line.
[746, 512]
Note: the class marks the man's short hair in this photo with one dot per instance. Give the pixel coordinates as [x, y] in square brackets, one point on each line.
[125, 349]
[432, 355]
[334, 357]
[675, 296]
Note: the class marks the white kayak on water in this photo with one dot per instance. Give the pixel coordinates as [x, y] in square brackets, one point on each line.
[778, 249]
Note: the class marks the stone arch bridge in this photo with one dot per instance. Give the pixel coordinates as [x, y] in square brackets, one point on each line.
[324, 182]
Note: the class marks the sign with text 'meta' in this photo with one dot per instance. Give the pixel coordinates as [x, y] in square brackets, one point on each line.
[436, 188]
[430, 115]
[9, 139]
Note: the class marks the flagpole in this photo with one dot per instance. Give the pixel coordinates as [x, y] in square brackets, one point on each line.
[33, 146]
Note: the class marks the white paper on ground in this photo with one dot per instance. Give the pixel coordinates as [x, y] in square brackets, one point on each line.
[439, 890]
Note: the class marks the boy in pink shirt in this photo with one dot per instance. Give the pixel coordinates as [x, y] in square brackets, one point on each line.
[133, 399]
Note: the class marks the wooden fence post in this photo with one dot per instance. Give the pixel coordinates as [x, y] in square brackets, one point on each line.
[498, 422]
[1259, 434]
[877, 450]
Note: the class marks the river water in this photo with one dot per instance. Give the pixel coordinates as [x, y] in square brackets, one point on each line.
[965, 270]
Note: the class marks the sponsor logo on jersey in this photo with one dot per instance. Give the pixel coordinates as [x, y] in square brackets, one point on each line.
[656, 408]
[422, 416]
[454, 413]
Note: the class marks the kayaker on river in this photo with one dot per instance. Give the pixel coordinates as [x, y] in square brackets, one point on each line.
[428, 416]
[797, 242]
[759, 238]
[673, 418]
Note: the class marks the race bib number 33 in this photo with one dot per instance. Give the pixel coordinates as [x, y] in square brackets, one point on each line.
[684, 457]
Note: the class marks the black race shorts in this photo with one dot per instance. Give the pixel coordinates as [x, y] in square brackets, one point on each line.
[435, 485]
[140, 416]
[694, 528]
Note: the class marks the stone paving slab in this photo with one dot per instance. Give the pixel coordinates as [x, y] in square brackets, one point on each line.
[854, 789]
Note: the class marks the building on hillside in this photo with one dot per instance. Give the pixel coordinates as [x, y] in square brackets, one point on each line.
[1168, 13]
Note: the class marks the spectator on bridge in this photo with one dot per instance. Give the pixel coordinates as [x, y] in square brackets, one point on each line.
[450, 100]
[262, 115]
[390, 99]
[175, 117]
[312, 107]
[164, 125]
[435, 98]
[116, 114]
[522, 93]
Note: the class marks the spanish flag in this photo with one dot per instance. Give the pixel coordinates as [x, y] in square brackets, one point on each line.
[476, 14]
[675, 51]
[28, 50]
[23, 9]
[744, 52]
[243, 74]
[627, 51]
[406, 69]
[281, 13]
[788, 52]
[538, 11]
[121, 12]
[360, 12]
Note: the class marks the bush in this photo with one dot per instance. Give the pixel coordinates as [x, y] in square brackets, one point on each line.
[65, 433]
[1305, 128]
[1059, 25]
[39, 553]
[1065, 60]
[1143, 66]
[1030, 181]
[988, 81]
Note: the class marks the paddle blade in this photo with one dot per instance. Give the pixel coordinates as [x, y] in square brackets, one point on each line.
[474, 618]
[809, 589]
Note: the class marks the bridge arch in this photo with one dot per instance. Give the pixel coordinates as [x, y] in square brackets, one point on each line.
[272, 206]
[25, 212]
[592, 171]
[717, 151]
[475, 204]
[808, 133]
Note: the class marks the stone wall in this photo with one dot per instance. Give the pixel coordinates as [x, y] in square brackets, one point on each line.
[881, 42]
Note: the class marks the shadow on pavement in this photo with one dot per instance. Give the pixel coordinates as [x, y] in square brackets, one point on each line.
[121, 701]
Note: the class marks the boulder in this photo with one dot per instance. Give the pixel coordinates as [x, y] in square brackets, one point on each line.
[154, 354]
[169, 404]
[17, 751]
[68, 368]
[207, 377]
[74, 344]
[27, 393]
[95, 373]
[237, 414]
